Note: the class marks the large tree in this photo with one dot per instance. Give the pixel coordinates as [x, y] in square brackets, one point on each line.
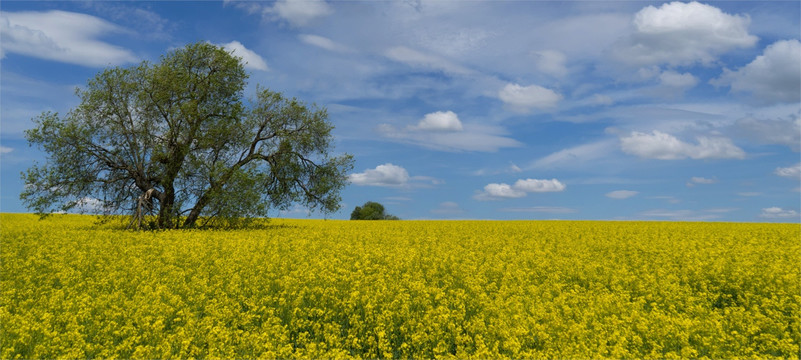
[178, 137]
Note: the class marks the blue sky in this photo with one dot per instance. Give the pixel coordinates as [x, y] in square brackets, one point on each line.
[613, 110]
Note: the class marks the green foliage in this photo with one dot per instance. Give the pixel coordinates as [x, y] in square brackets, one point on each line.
[181, 128]
[371, 211]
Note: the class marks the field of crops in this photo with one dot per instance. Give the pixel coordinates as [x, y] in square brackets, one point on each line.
[400, 289]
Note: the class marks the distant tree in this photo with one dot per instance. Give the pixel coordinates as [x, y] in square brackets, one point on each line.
[177, 138]
[371, 211]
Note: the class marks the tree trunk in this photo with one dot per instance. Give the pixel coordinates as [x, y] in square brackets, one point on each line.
[191, 219]
[167, 202]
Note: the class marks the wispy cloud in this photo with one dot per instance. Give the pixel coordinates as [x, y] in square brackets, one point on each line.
[621, 194]
[696, 180]
[444, 131]
[62, 36]
[417, 58]
[793, 171]
[685, 214]
[323, 42]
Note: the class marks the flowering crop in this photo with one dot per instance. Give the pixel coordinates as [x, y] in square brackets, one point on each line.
[389, 289]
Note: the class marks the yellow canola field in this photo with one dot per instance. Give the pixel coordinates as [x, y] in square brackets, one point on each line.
[400, 289]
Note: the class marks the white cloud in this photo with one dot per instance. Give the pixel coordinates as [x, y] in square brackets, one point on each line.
[778, 213]
[662, 146]
[598, 99]
[551, 62]
[440, 121]
[62, 36]
[90, 205]
[676, 80]
[129, 14]
[679, 33]
[772, 76]
[749, 193]
[536, 185]
[793, 171]
[416, 58]
[447, 208]
[621, 194]
[452, 42]
[524, 98]
[473, 137]
[383, 175]
[496, 191]
[252, 60]
[323, 42]
[782, 131]
[522, 187]
[5, 149]
[575, 156]
[700, 180]
[299, 12]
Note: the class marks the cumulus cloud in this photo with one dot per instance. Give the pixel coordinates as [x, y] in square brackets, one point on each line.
[252, 60]
[323, 42]
[525, 98]
[772, 76]
[679, 33]
[62, 36]
[551, 62]
[440, 121]
[498, 191]
[621, 194]
[790, 171]
[662, 146]
[383, 175]
[778, 213]
[520, 189]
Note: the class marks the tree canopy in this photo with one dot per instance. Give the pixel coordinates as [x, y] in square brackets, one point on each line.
[178, 137]
[371, 211]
